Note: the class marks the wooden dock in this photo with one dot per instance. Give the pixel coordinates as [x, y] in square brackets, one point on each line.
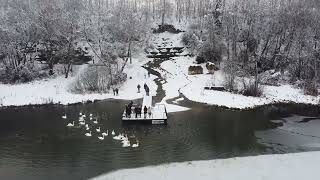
[158, 115]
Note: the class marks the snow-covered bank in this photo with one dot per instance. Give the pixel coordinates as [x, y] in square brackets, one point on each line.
[175, 72]
[56, 90]
[269, 167]
[272, 94]
[192, 86]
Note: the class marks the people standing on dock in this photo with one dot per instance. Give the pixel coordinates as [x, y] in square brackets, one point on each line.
[136, 111]
[149, 112]
[138, 88]
[130, 107]
[139, 111]
[145, 111]
[130, 104]
[128, 111]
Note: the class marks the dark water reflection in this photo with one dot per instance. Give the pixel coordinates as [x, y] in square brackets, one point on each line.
[35, 143]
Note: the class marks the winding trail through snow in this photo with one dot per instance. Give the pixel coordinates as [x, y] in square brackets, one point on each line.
[154, 67]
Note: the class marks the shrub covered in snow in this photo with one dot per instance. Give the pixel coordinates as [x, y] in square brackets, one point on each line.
[166, 28]
[190, 40]
[211, 68]
[22, 73]
[193, 70]
[210, 52]
[251, 89]
[311, 89]
[96, 79]
[229, 83]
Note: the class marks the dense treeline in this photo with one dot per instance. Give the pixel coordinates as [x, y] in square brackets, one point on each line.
[274, 35]
[61, 31]
[260, 38]
[251, 38]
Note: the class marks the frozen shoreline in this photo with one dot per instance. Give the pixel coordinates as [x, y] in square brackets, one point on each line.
[266, 167]
[192, 87]
[56, 90]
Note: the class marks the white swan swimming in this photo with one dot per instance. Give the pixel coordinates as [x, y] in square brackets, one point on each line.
[119, 137]
[80, 114]
[70, 125]
[64, 116]
[81, 119]
[84, 115]
[82, 123]
[91, 115]
[113, 133]
[87, 127]
[95, 121]
[101, 138]
[98, 129]
[88, 134]
[135, 145]
[125, 143]
[106, 134]
[124, 138]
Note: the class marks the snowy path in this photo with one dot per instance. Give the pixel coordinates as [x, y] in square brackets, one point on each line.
[268, 167]
[147, 101]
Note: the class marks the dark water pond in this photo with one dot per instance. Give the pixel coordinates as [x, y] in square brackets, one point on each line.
[36, 144]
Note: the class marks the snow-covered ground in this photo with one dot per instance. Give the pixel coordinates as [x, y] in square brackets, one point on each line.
[192, 86]
[56, 90]
[272, 94]
[175, 72]
[268, 167]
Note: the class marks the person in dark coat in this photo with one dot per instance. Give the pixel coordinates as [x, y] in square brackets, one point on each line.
[117, 91]
[140, 111]
[128, 111]
[138, 88]
[130, 104]
[114, 91]
[149, 112]
[136, 111]
[145, 110]
[147, 90]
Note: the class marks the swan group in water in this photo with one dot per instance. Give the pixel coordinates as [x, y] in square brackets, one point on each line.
[120, 137]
